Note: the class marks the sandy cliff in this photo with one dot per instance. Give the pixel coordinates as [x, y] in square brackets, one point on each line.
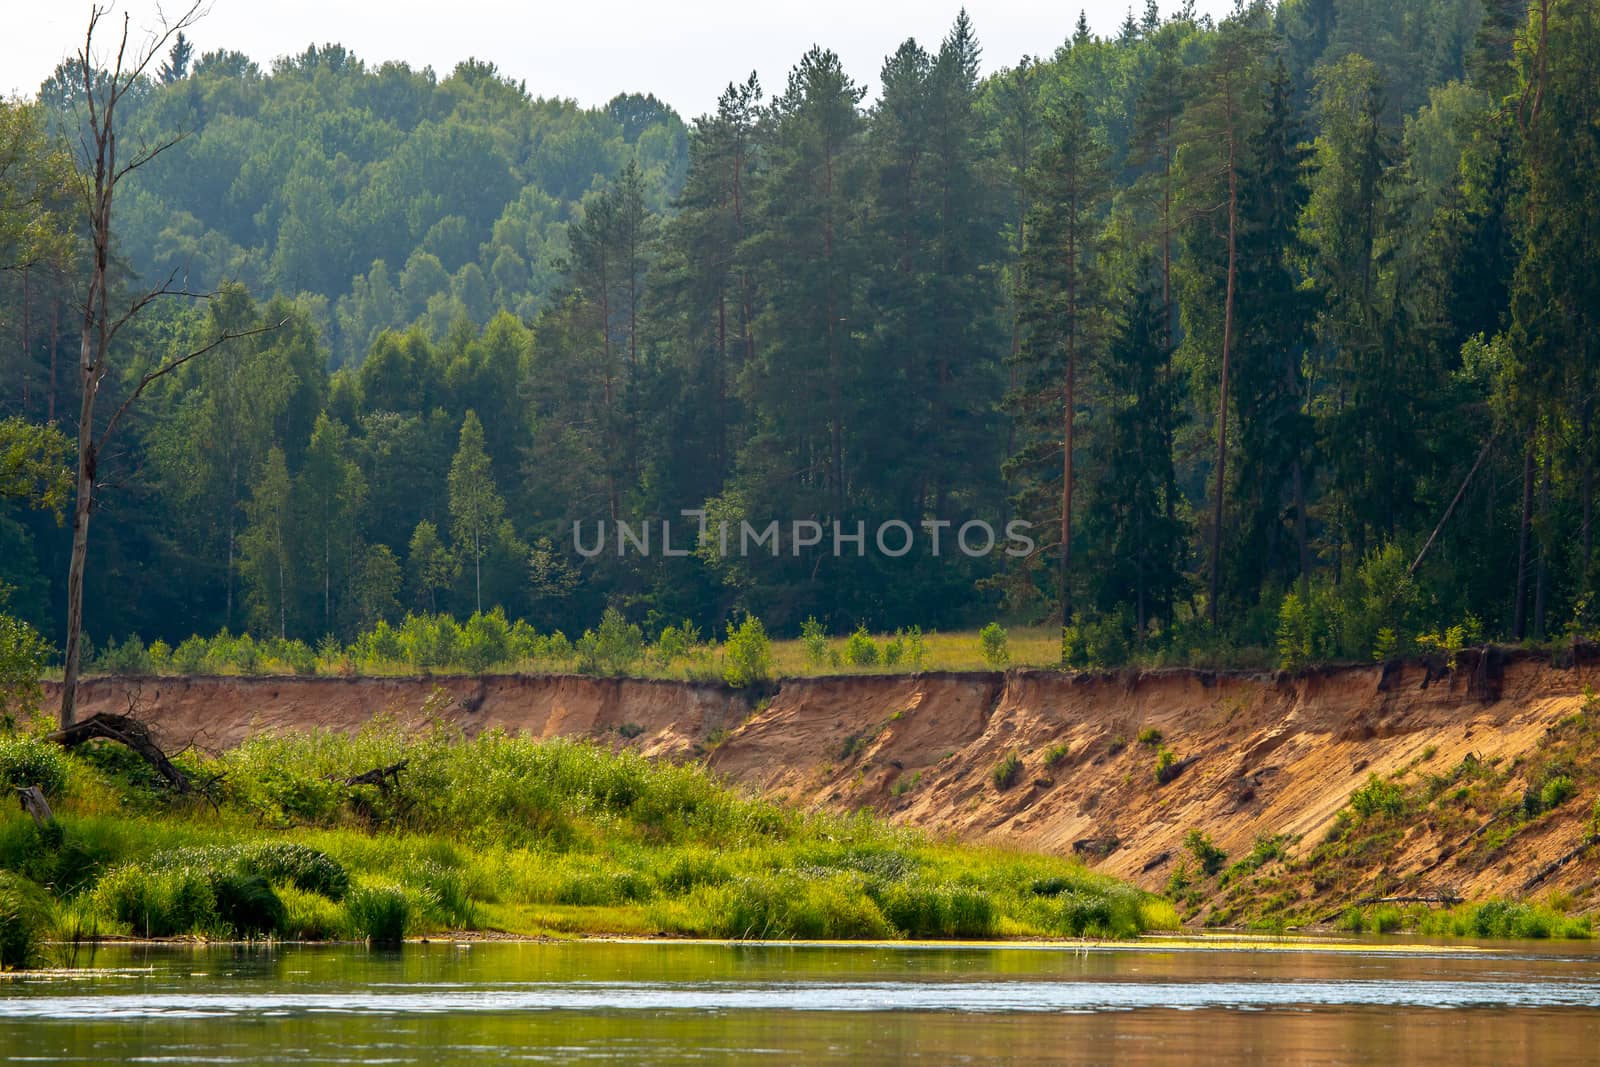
[1258, 754]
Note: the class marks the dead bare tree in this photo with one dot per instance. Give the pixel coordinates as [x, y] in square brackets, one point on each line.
[103, 169]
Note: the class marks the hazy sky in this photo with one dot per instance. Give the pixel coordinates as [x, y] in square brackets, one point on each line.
[586, 49]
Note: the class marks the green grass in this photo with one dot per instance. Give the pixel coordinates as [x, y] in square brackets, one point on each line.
[510, 834]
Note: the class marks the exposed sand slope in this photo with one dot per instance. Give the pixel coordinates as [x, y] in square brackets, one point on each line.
[1263, 753]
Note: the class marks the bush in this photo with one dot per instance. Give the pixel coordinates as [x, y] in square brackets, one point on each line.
[1556, 791]
[378, 914]
[815, 641]
[22, 658]
[992, 643]
[920, 910]
[1006, 772]
[1166, 764]
[301, 866]
[615, 648]
[246, 904]
[192, 656]
[1206, 854]
[747, 653]
[29, 760]
[130, 657]
[860, 650]
[677, 642]
[159, 903]
[485, 642]
[1150, 736]
[24, 919]
[310, 916]
[916, 649]
[1378, 798]
[1054, 755]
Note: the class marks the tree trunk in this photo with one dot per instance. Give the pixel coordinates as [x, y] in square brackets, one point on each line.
[1541, 574]
[1222, 390]
[1519, 625]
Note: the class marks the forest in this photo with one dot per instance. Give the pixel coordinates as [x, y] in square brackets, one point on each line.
[1279, 329]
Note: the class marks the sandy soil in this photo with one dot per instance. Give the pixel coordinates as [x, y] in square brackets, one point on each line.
[1261, 753]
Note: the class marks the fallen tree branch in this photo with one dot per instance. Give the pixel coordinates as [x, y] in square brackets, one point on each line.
[129, 732]
[381, 777]
[1561, 861]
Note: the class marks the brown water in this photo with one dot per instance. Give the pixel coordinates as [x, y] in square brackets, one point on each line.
[1154, 1003]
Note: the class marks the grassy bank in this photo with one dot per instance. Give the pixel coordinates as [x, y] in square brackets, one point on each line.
[492, 834]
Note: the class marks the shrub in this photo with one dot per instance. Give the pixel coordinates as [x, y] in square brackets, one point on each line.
[1150, 736]
[1054, 755]
[1166, 764]
[485, 641]
[192, 656]
[300, 657]
[918, 909]
[747, 653]
[24, 919]
[159, 903]
[860, 650]
[894, 649]
[815, 641]
[916, 649]
[130, 657]
[29, 760]
[1205, 852]
[378, 914]
[22, 658]
[1006, 772]
[1555, 791]
[246, 904]
[677, 642]
[992, 643]
[615, 648]
[309, 916]
[630, 730]
[1378, 798]
[301, 866]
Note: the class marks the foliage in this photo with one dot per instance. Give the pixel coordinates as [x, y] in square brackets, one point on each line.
[860, 650]
[746, 654]
[1378, 799]
[612, 649]
[525, 836]
[1205, 853]
[1007, 771]
[992, 643]
[27, 759]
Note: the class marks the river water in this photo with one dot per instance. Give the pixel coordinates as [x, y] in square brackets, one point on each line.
[706, 1003]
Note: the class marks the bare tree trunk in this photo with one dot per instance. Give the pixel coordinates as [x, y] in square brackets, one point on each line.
[1222, 390]
[55, 344]
[1542, 573]
[1519, 625]
[27, 335]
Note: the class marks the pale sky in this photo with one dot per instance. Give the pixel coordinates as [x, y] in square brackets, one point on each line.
[588, 50]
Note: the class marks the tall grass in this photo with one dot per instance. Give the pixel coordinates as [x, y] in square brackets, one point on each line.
[502, 832]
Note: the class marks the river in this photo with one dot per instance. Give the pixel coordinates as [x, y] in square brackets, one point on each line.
[1154, 1002]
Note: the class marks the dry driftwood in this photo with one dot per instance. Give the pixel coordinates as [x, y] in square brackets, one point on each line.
[1561, 861]
[381, 777]
[34, 803]
[128, 731]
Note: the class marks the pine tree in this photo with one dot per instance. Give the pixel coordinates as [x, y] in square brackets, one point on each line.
[264, 547]
[476, 508]
[176, 68]
[1137, 543]
[1062, 304]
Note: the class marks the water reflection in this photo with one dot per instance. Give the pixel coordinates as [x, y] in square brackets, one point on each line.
[697, 1003]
